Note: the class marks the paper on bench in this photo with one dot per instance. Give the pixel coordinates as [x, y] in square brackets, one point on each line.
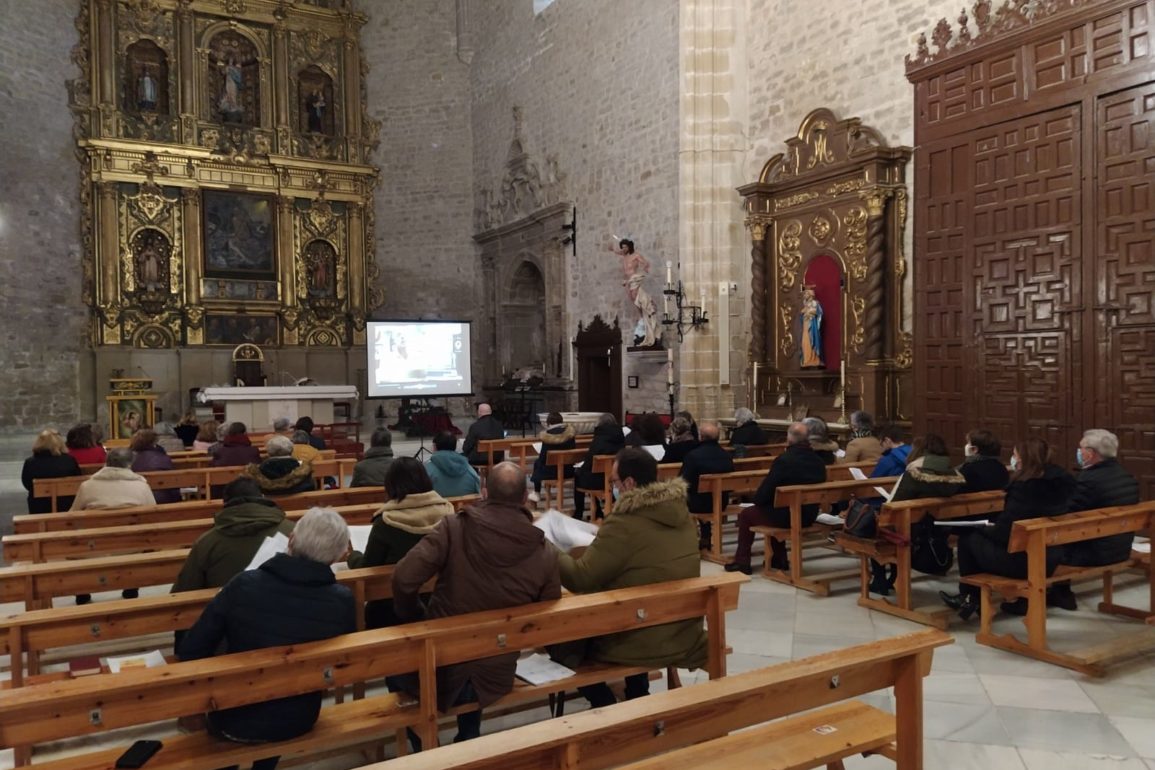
[270, 547]
[1141, 546]
[539, 669]
[565, 532]
[979, 523]
[857, 474]
[142, 660]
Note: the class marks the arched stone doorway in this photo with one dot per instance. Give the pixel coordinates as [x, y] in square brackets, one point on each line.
[522, 341]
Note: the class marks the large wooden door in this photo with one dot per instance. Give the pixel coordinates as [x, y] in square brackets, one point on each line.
[1123, 316]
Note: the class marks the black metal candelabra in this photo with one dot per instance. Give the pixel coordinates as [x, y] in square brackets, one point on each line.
[697, 314]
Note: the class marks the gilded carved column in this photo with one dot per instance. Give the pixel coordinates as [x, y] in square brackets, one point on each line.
[186, 57]
[352, 70]
[875, 284]
[191, 219]
[108, 263]
[758, 226]
[283, 97]
[356, 259]
[288, 260]
[104, 59]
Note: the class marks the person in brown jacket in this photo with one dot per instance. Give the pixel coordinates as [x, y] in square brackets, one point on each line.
[864, 446]
[486, 557]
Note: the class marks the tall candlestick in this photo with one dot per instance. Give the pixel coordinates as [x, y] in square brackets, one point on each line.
[843, 379]
[669, 273]
[670, 367]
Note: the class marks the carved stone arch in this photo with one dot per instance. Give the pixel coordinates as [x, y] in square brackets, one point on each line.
[212, 30]
[837, 190]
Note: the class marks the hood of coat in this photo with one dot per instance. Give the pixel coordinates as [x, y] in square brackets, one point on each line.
[238, 439]
[378, 451]
[451, 464]
[279, 473]
[663, 502]
[936, 468]
[558, 434]
[824, 446]
[499, 534]
[417, 514]
[1053, 488]
[300, 571]
[108, 473]
[243, 516]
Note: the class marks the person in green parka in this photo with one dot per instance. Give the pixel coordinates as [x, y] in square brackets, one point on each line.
[239, 528]
[649, 538]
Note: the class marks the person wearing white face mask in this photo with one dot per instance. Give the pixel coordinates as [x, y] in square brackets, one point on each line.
[982, 468]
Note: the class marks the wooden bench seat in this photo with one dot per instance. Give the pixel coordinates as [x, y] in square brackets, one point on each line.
[134, 538]
[899, 518]
[185, 460]
[679, 728]
[1034, 536]
[94, 704]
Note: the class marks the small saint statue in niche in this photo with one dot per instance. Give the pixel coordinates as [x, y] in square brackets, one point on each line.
[811, 315]
[146, 93]
[635, 269]
[230, 101]
[316, 106]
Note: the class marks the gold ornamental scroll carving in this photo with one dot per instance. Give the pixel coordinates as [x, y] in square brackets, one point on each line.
[256, 100]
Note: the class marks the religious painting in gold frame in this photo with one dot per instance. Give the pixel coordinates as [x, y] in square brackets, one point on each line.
[239, 235]
[127, 414]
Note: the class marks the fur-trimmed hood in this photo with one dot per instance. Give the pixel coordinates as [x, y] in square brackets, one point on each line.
[663, 502]
[276, 475]
[553, 436]
[936, 469]
[417, 514]
[823, 446]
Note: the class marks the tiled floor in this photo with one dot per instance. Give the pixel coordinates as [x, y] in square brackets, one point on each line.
[984, 709]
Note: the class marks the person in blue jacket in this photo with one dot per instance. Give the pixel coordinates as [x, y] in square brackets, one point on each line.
[895, 452]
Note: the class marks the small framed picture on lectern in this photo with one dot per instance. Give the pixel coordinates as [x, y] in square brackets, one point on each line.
[632, 381]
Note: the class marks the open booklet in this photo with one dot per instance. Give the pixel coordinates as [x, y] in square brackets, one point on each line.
[270, 547]
[539, 669]
[565, 532]
[857, 473]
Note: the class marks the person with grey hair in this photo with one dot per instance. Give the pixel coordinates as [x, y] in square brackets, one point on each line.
[370, 471]
[303, 450]
[820, 441]
[746, 431]
[283, 426]
[799, 464]
[682, 440]
[1101, 483]
[166, 437]
[114, 485]
[281, 473]
[707, 457]
[293, 598]
[864, 446]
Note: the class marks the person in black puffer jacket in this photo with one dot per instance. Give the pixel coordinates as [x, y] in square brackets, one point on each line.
[557, 436]
[49, 460]
[747, 432]
[608, 440]
[281, 473]
[1038, 488]
[983, 467]
[291, 599]
[1101, 483]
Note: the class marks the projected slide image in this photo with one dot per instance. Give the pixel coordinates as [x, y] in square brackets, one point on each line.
[419, 359]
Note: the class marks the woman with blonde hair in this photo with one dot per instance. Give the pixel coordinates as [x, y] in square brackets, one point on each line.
[49, 460]
[206, 436]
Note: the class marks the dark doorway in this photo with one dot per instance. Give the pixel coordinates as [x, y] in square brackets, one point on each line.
[599, 367]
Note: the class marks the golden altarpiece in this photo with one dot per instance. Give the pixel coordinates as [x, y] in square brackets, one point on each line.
[826, 219]
[227, 195]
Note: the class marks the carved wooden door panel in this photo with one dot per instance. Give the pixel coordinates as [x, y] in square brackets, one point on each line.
[1024, 290]
[1124, 277]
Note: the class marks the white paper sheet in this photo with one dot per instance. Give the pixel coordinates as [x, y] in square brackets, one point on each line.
[858, 474]
[840, 453]
[565, 532]
[1141, 547]
[979, 523]
[539, 669]
[537, 447]
[141, 660]
[359, 534]
[657, 451]
[278, 543]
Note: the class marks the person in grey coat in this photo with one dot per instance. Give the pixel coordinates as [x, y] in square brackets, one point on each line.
[370, 472]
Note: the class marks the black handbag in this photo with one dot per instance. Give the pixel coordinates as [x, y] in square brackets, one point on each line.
[861, 519]
[930, 552]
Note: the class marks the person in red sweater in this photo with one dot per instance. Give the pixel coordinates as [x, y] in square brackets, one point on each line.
[83, 446]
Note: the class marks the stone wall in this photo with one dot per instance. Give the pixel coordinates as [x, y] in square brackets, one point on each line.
[42, 316]
[597, 84]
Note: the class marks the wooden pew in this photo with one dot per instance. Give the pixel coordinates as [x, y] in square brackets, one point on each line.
[899, 518]
[1033, 536]
[189, 509]
[27, 636]
[89, 705]
[106, 541]
[202, 478]
[518, 447]
[687, 728]
[795, 498]
[185, 460]
[745, 480]
[557, 461]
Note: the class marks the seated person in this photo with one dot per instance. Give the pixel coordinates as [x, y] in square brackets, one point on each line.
[649, 538]
[488, 556]
[683, 440]
[303, 449]
[1101, 483]
[799, 464]
[982, 466]
[113, 486]
[370, 471]
[708, 457]
[239, 528]
[450, 472]
[485, 427]
[206, 436]
[933, 476]
[292, 598]
[150, 456]
[863, 447]
[283, 426]
[894, 453]
[557, 435]
[746, 432]
[188, 429]
[235, 448]
[649, 433]
[608, 439]
[1038, 488]
[306, 424]
[690, 419]
[49, 460]
[820, 441]
[167, 439]
[412, 509]
[84, 446]
[281, 473]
